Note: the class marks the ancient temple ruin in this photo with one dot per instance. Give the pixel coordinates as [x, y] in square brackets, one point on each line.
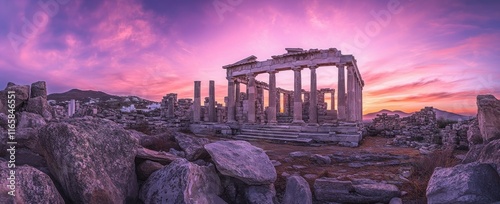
[304, 116]
[296, 59]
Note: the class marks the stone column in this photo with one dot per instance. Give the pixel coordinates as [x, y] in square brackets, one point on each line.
[271, 117]
[361, 98]
[286, 104]
[71, 107]
[332, 100]
[230, 101]
[237, 100]
[341, 106]
[313, 98]
[278, 102]
[197, 101]
[351, 100]
[170, 107]
[211, 102]
[251, 98]
[297, 96]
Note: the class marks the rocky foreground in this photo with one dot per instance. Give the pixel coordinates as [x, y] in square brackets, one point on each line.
[93, 160]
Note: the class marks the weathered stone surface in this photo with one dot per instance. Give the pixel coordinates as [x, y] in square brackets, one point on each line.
[263, 194]
[321, 160]
[38, 88]
[162, 157]
[32, 186]
[22, 93]
[27, 128]
[298, 154]
[474, 133]
[3, 142]
[146, 168]
[465, 183]
[488, 153]
[93, 160]
[39, 105]
[30, 120]
[4, 120]
[396, 201]
[192, 146]
[332, 190]
[297, 191]
[488, 116]
[182, 182]
[241, 160]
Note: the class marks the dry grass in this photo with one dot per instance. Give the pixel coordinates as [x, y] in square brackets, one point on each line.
[424, 167]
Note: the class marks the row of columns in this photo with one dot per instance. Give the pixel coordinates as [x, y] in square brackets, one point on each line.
[349, 105]
[211, 102]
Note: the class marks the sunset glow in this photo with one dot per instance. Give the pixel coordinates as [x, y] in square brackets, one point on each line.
[410, 54]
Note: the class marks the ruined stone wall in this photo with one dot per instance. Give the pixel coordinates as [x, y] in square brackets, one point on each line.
[455, 135]
[385, 125]
[420, 127]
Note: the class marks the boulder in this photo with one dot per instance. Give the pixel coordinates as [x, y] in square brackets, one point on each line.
[396, 201]
[262, 194]
[464, 183]
[182, 182]
[321, 160]
[22, 93]
[488, 116]
[241, 160]
[487, 153]
[3, 142]
[31, 186]
[4, 120]
[39, 105]
[38, 88]
[192, 146]
[333, 190]
[474, 133]
[30, 120]
[92, 159]
[146, 168]
[27, 128]
[298, 154]
[297, 191]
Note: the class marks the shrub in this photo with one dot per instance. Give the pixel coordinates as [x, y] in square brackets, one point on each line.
[424, 167]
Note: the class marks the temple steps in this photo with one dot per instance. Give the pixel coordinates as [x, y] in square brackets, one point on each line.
[278, 139]
[274, 133]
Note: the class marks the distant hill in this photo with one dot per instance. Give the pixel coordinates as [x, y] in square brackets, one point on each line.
[450, 116]
[86, 95]
[439, 114]
[81, 95]
[370, 116]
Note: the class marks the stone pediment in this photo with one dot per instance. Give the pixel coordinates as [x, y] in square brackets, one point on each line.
[246, 60]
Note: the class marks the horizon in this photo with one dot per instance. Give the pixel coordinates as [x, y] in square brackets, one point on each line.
[410, 54]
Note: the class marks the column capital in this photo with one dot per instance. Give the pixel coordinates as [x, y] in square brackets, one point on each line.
[340, 65]
[251, 75]
[297, 68]
[272, 71]
[313, 66]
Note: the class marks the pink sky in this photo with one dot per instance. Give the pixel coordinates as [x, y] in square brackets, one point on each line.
[423, 53]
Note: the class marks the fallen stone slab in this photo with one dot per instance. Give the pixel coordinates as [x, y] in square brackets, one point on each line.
[241, 160]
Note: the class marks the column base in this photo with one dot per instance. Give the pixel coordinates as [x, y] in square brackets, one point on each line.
[232, 121]
[312, 124]
[298, 122]
[272, 122]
